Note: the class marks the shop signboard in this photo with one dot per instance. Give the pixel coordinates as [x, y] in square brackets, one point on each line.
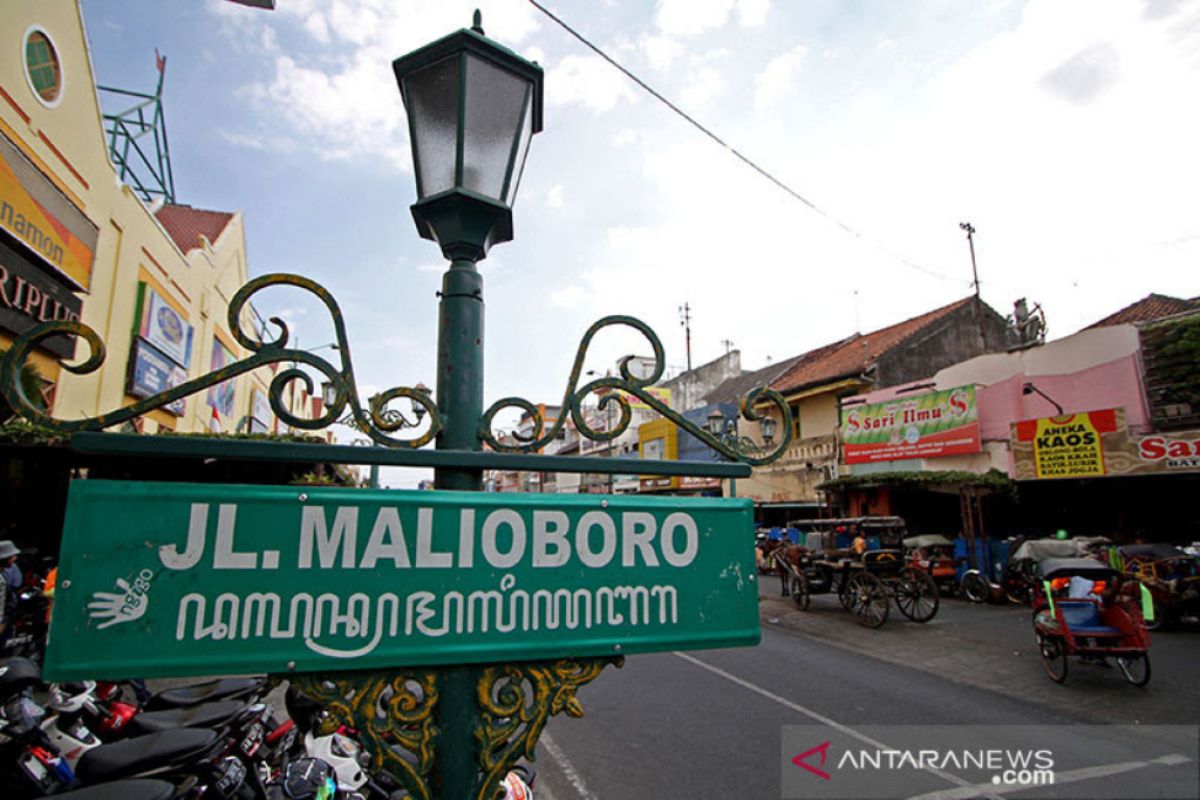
[261, 418]
[218, 579]
[220, 397]
[1097, 444]
[164, 327]
[151, 372]
[30, 295]
[36, 213]
[930, 425]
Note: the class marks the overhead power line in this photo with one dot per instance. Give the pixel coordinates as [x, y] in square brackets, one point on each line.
[735, 152]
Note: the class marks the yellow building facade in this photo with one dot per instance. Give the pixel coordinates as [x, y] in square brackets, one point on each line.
[76, 243]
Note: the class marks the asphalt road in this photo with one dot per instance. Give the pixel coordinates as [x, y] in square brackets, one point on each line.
[709, 723]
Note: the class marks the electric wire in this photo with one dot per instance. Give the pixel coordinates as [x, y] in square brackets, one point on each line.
[735, 152]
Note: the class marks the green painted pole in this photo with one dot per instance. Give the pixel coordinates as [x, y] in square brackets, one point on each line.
[460, 402]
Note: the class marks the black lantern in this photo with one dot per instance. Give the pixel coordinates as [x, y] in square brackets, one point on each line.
[473, 107]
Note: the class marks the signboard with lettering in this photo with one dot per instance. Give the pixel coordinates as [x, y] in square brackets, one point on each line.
[1098, 444]
[42, 218]
[164, 327]
[220, 397]
[929, 425]
[30, 296]
[262, 419]
[175, 579]
[150, 372]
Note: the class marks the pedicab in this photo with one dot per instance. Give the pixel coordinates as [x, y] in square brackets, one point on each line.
[1172, 577]
[1104, 623]
[1020, 581]
[934, 555]
[866, 583]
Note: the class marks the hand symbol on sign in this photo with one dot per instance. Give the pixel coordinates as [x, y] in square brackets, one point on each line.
[114, 608]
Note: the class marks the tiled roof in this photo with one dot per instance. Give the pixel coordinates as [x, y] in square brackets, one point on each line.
[186, 224]
[1150, 307]
[854, 355]
[734, 389]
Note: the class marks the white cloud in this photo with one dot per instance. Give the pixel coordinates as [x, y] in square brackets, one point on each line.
[660, 51]
[752, 13]
[690, 17]
[776, 79]
[351, 114]
[588, 81]
[554, 196]
[627, 136]
[567, 298]
[705, 85]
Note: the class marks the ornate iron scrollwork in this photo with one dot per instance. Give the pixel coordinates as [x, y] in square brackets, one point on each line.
[615, 390]
[515, 703]
[376, 420]
[390, 710]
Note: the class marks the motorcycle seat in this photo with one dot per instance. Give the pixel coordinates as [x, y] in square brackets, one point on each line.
[222, 689]
[205, 715]
[108, 762]
[141, 789]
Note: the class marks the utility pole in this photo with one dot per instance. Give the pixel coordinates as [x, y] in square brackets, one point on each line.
[685, 319]
[970, 229]
[728, 345]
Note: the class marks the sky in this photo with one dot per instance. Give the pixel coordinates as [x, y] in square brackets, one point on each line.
[1065, 132]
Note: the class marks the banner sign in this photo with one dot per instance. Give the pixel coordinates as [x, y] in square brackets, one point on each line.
[164, 327]
[944, 423]
[30, 295]
[262, 419]
[177, 579]
[1097, 444]
[150, 372]
[34, 211]
[220, 397]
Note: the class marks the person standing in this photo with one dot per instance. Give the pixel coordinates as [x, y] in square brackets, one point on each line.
[10, 585]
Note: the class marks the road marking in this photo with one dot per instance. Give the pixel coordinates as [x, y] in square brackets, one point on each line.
[986, 791]
[1069, 776]
[568, 769]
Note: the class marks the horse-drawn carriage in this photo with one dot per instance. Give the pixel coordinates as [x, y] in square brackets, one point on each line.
[867, 579]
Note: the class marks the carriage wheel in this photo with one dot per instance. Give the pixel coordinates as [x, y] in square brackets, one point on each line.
[917, 595]
[1054, 657]
[1136, 669]
[868, 599]
[799, 588]
[975, 587]
[844, 595]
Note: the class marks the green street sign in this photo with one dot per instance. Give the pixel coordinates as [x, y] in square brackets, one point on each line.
[176, 579]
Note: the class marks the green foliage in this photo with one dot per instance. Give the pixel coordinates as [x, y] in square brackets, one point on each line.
[31, 383]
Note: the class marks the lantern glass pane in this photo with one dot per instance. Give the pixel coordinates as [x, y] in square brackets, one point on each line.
[522, 150]
[431, 95]
[495, 105]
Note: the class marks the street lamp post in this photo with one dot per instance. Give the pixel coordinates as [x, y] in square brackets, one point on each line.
[473, 107]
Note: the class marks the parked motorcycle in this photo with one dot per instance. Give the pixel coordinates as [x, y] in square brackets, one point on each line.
[46, 748]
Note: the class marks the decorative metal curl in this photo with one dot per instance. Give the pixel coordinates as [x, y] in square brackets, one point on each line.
[740, 449]
[389, 710]
[515, 703]
[376, 421]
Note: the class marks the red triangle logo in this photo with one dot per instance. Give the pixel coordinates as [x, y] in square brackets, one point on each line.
[801, 760]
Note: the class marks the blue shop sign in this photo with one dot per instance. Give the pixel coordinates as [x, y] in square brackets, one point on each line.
[152, 372]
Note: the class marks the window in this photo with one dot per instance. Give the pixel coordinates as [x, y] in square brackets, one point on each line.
[42, 66]
[796, 422]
